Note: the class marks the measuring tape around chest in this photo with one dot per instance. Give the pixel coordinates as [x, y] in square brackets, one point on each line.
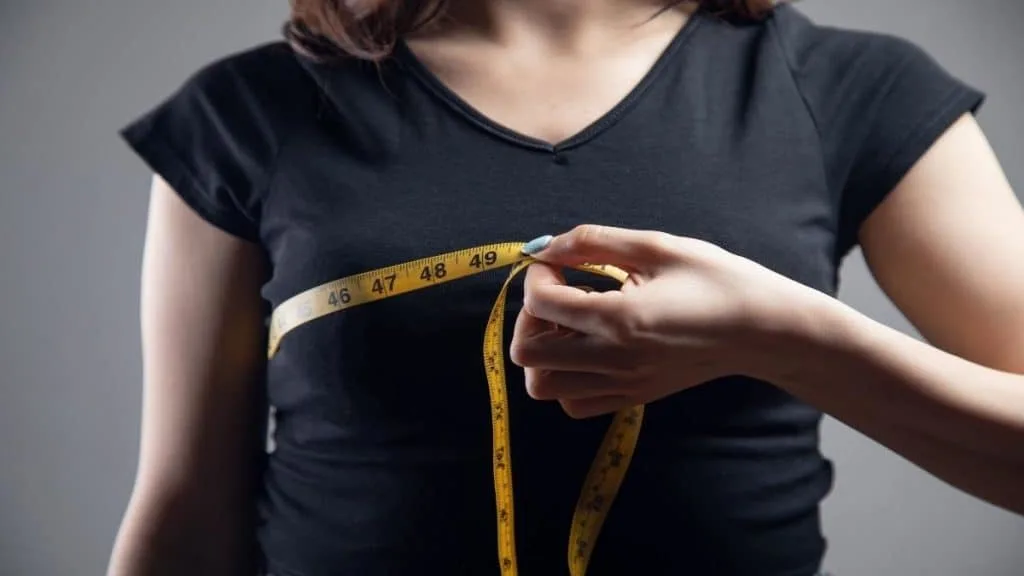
[613, 457]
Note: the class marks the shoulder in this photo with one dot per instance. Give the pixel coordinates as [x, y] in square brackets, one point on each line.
[824, 50]
[853, 79]
[826, 62]
[265, 80]
[804, 39]
[216, 139]
[879, 103]
[247, 101]
[822, 55]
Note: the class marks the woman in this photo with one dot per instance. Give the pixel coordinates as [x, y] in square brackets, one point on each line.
[726, 156]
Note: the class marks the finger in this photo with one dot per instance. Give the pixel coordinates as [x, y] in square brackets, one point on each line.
[597, 406]
[528, 327]
[631, 250]
[547, 297]
[558, 385]
[567, 351]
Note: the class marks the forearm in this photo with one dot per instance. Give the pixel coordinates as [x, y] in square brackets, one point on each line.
[995, 480]
[171, 533]
[958, 420]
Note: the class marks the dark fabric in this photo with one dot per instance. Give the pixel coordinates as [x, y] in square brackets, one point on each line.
[773, 140]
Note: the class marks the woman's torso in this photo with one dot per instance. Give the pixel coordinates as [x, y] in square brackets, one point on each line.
[381, 460]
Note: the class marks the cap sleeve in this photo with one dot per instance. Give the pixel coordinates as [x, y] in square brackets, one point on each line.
[214, 141]
[879, 103]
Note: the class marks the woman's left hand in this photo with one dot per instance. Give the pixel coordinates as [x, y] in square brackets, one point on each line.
[690, 312]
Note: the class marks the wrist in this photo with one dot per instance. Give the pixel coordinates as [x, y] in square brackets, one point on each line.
[795, 340]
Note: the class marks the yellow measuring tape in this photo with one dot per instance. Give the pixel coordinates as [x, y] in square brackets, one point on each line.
[609, 466]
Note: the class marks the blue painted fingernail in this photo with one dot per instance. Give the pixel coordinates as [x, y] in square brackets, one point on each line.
[537, 244]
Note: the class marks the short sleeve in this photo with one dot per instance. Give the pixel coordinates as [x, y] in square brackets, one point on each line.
[216, 138]
[879, 103]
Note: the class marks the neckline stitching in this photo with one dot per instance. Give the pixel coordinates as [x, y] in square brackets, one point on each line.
[441, 90]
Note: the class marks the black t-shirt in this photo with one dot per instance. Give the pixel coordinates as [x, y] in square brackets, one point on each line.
[774, 140]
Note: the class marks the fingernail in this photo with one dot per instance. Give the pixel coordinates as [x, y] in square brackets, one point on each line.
[537, 244]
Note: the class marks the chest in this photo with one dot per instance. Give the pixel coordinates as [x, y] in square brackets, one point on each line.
[757, 193]
[378, 184]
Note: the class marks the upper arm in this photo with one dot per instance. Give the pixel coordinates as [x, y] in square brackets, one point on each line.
[916, 185]
[203, 348]
[947, 246]
[212, 145]
[203, 355]
[878, 101]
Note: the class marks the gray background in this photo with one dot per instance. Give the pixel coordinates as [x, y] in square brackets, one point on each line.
[72, 208]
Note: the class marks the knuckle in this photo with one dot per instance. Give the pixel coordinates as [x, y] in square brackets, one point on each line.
[662, 242]
[698, 250]
[586, 235]
[519, 352]
[530, 306]
[628, 326]
[573, 409]
[628, 365]
[535, 385]
[621, 331]
[537, 302]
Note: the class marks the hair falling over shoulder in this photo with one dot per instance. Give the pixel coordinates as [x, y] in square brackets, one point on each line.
[369, 29]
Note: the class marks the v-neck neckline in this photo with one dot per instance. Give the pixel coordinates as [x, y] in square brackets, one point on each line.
[458, 104]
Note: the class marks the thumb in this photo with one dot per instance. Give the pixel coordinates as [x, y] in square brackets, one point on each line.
[638, 250]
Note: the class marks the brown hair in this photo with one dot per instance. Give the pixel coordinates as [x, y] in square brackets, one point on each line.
[368, 29]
